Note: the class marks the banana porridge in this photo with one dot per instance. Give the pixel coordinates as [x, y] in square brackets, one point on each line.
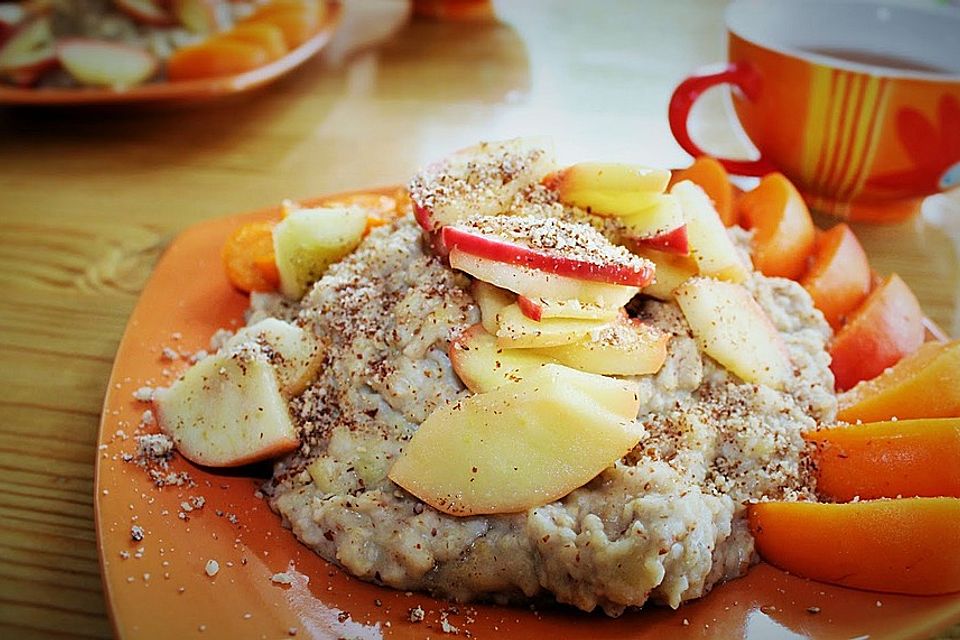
[481, 399]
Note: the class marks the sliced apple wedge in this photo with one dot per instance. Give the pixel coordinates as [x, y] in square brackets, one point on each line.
[28, 49]
[491, 301]
[202, 16]
[672, 270]
[103, 63]
[572, 250]
[293, 351]
[227, 411]
[145, 12]
[660, 226]
[538, 309]
[735, 331]
[533, 283]
[479, 180]
[517, 331]
[11, 15]
[523, 445]
[609, 188]
[308, 241]
[483, 366]
[710, 246]
[625, 348]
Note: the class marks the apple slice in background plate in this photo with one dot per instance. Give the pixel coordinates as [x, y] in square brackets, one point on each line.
[479, 180]
[146, 11]
[106, 64]
[733, 329]
[27, 50]
[202, 16]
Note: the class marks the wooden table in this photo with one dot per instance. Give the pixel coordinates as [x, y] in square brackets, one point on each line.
[89, 199]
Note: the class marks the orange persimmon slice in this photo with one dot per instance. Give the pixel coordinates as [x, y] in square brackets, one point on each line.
[268, 37]
[911, 545]
[214, 58]
[783, 230]
[909, 458]
[247, 255]
[886, 327]
[715, 181]
[839, 277]
[924, 385]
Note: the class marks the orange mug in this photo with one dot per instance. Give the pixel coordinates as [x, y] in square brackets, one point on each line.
[857, 102]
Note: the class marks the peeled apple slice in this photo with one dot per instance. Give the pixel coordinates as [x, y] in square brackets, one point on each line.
[293, 351]
[734, 330]
[227, 411]
[522, 445]
[308, 241]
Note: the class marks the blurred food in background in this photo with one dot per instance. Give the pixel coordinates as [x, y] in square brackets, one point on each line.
[124, 43]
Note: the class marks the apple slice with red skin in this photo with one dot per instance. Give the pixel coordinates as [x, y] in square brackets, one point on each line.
[661, 226]
[538, 309]
[533, 283]
[106, 64]
[887, 327]
[28, 50]
[482, 179]
[202, 16]
[607, 264]
[674, 241]
[145, 12]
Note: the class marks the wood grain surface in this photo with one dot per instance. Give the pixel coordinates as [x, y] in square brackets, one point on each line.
[90, 197]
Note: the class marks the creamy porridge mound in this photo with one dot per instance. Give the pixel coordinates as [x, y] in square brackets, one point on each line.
[662, 525]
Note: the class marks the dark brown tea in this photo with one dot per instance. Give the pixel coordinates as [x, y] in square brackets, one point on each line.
[879, 60]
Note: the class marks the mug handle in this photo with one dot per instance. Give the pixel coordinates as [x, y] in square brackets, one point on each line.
[741, 76]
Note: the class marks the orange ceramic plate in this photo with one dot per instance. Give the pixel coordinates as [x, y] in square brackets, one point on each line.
[186, 89]
[162, 591]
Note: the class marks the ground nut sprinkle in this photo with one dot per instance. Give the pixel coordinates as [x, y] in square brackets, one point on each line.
[484, 181]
